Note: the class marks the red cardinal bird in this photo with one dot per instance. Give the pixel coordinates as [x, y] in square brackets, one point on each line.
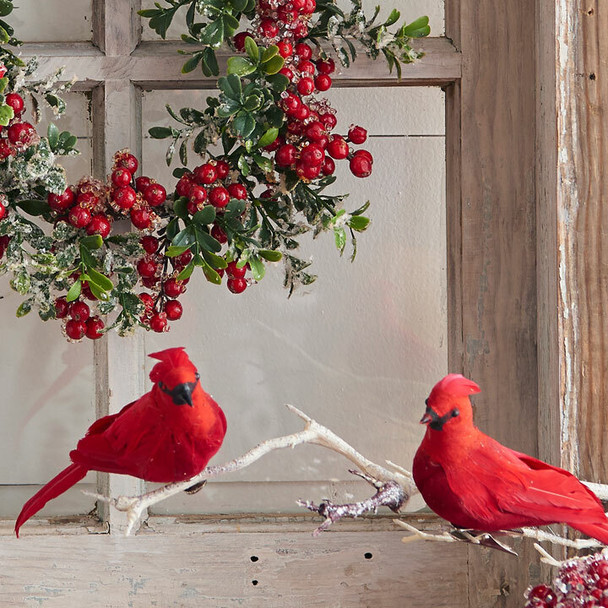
[476, 483]
[167, 435]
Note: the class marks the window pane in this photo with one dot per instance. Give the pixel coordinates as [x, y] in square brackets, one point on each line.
[52, 20]
[359, 349]
[48, 384]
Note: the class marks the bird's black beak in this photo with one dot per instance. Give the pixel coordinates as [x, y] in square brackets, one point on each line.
[180, 394]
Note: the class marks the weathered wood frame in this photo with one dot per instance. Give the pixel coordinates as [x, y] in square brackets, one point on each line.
[524, 145]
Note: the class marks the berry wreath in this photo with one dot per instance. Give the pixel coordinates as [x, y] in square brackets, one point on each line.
[231, 213]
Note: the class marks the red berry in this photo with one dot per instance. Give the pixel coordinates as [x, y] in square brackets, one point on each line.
[61, 308]
[15, 101]
[20, 133]
[300, 30]
[237, 285]
[306, 67]
[305, 86]
[357, 135]
[286, 155]
[286, 72]
[75, 330]
[285, 48]
[147, 267]
[61, 202]
[217, 232]
[279, 141]
[5, 149]
[2, 211]
[128, 162]
[235, 272]
[306, 171]
[286, 15]
[94, 328]
[142, 182]
[329, 120]
[239, 41]
[222, 168]
[328, 166]
[205, 174]
[184, 184]
[150, 282]
[121, 177]
[155, 195]
[360, 164]
[79, 311]
[219, 197]
[173, 310]
[147, 300]
[268, 28]
[323, 82]
[309, 7]
[79, 217]
[182, 260]
[124, 197]
[149, 243]
[326, 66]
[141, 218]
[542, 595]
[3, 70]
[99, 224]
[298, 5]
[237, 191]
[303, 50]
[87, 199]
[315, 131]
[158, 322]
[197, 196]
[173, 288]
[337, 147]
[312, 155]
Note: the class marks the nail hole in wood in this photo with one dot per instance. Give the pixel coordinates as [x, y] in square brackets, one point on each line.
[254, 558]
[590, 12]
[254, 582]
[592, 76]
[368, 555]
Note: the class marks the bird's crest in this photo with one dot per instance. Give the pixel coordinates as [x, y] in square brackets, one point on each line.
[454, 385]
[169, 359]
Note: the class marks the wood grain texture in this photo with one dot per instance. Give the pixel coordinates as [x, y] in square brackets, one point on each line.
[186, 566]
[492, 211]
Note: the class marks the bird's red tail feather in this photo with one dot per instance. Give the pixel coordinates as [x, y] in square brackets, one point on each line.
[597, 531]
[58, 485]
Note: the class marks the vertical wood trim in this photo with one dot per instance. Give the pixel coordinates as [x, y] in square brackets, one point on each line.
[120, 34]
[581, 191]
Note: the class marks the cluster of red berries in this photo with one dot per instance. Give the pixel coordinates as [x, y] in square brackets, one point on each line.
[78, 320]
[92, 205]
[307, 145]
[580, 583]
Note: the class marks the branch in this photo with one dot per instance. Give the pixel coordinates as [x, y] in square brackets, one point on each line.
[390, 494]
[313, 433]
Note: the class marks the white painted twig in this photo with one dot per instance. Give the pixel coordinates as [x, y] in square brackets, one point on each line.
[313, 433]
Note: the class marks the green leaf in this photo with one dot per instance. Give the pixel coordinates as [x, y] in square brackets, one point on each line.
[186, 238]
[206, 241]
[265, 164]
[24, 309]
[100, 279]
[3, 83]
[253, 102]
[205, 216]
[270, 255]
[98, 292]
[418, 28]
[172, 229]
[160, 132]
[209, 64]
[231, 24]
[74, 291]
[268, 137]
[6, 7]
[33, 206]
[241, 66]
[6, 115]
[186, 272]
[215, 261]
[243, 123]
[358, 222]
[211, 275]
[252, 49]
[270, 52]
[392, 18]
[228, 108]
[180, 208]
[278, 82]
[231, 86]
[4, 35]
[243, 166]
[213, 33]
[239, 5]
[235, 207]
[92, 242]
[257, 268]
[55, 102]
[273, 65]
[340, 238]
[52, 133]
[173, 251]
[192, 63]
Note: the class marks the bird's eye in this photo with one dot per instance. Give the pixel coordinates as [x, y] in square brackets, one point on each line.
[197, 375]
[161, 385]
[455, 413]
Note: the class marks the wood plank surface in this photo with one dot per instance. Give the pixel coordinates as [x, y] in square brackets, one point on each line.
[186, 566]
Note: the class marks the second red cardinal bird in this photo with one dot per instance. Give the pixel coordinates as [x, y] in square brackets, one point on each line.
[169, 434]
[477, 483]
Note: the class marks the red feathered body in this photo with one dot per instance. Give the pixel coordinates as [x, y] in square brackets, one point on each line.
[474, 482]
[167, 435]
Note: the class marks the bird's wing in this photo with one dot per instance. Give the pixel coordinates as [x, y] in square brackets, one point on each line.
[523, 486]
